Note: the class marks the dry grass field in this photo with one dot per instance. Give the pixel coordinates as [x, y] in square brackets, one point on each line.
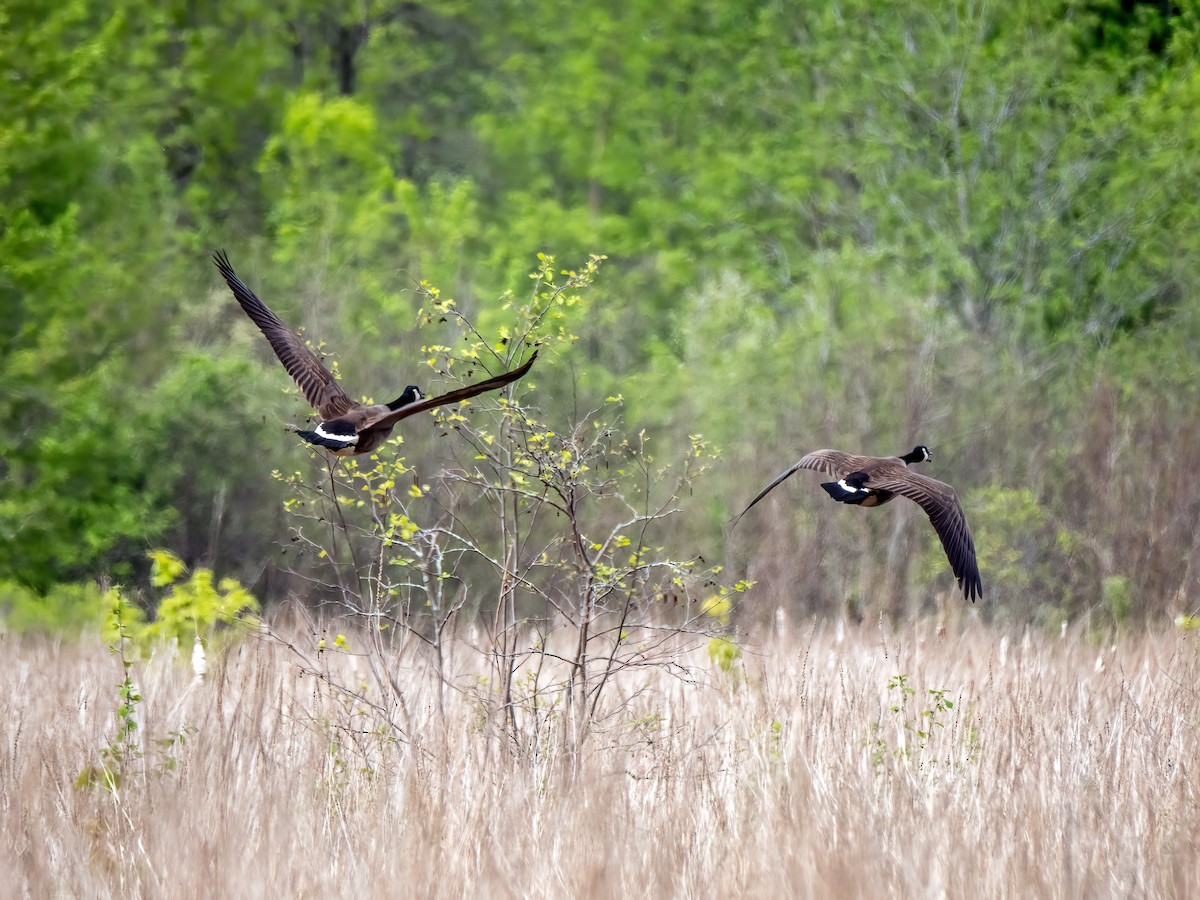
[1062, 769]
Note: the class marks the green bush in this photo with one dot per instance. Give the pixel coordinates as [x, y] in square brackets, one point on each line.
[192, 606]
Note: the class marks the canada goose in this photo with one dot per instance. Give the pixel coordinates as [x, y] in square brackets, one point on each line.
[874, 480]
[347, 427]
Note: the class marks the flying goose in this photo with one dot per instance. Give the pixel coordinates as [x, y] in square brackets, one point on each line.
[347, 427]
[874, 480]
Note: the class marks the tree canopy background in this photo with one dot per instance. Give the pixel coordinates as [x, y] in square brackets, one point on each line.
[973, 225]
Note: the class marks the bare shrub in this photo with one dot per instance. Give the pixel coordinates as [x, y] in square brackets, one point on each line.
[548, 536]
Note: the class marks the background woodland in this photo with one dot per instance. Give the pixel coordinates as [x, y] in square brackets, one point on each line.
[847, 224]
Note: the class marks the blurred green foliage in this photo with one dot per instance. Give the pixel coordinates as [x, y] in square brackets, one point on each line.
[829, 224]
[63, 609]
[195, 606]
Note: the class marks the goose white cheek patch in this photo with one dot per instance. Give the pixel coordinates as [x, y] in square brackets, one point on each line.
[849, 488]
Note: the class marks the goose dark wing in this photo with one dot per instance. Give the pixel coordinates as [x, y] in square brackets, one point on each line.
[389, 418]
[940, 503]
[831, 462]
[835, 462]
[778, 479]
[318, 384]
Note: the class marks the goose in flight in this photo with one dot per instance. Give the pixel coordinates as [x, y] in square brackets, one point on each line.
[874, 480]
[347, 427]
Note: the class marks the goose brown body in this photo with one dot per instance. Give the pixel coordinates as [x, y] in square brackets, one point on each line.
[876, 480]
[347, 427]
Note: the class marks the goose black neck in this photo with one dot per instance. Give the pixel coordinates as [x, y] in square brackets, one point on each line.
[411, 394]
[919, 453]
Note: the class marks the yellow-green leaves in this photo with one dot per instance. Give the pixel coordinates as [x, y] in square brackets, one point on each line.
[165, 567]
[724, 653]
[400, 527]
[340, 642]
[195, 605]
[719, 607]
[192, 606]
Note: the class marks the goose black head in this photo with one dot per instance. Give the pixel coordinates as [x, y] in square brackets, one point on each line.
[411, 394]
[919, 453]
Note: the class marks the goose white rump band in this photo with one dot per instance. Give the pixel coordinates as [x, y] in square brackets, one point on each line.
[344, 438]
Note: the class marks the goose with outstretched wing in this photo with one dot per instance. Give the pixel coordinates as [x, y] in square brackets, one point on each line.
[347, 427]
[875, 480]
